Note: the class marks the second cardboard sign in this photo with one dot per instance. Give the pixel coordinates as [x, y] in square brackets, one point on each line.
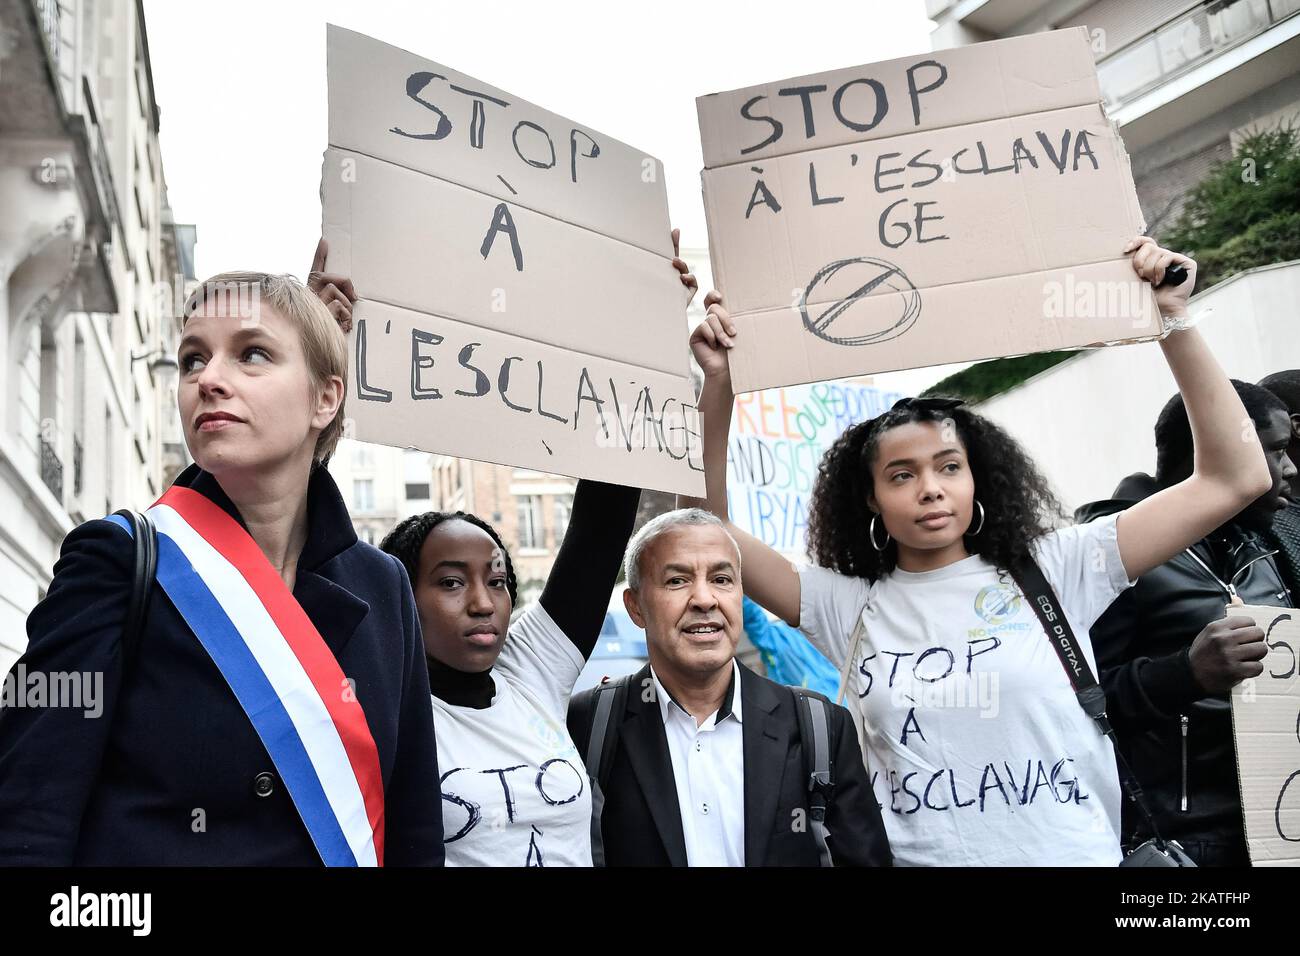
[967, 204]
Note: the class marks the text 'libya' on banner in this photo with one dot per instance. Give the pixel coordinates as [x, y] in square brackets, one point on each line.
[1266, 737]
[777, 441]
[518, 300]
[953, 206]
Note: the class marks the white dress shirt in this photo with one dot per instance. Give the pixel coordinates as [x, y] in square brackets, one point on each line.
[709, 769]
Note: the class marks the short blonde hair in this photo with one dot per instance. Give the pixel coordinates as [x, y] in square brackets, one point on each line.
[323, 344]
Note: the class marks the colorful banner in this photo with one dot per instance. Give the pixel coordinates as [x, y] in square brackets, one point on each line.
[777, 440]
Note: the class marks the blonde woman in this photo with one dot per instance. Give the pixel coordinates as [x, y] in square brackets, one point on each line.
[272, 709]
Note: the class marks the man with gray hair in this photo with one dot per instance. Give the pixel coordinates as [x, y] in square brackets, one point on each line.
[698, 761]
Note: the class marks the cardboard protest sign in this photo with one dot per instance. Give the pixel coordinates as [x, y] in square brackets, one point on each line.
[519, 303]
[1266, 731]
[957, 205]
[776, 443]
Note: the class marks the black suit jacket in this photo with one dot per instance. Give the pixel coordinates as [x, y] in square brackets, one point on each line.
[172, 771]
[641, 823]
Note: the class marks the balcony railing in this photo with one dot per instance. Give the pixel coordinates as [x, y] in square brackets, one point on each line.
[1185, 42]
[51, 470]
[51, 25]
[76, 466]
[104, 171]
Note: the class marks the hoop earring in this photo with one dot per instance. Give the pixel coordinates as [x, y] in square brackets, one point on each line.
[871, 533]
[981, 524]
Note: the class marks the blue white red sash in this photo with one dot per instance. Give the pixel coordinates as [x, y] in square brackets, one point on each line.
[281, 671]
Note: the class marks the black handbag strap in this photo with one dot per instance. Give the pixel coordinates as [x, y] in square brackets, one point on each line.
[1092, 698]
[146, 566]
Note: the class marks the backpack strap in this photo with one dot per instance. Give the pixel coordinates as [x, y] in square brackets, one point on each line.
[608, 704]
[146, 567]
[846, 672]
[815, 733]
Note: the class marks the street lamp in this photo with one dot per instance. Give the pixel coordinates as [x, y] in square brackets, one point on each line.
[160, 361]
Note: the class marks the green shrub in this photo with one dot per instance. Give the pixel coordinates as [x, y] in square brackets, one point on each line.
[986, 379]
[1273, 240]
[1260, 182]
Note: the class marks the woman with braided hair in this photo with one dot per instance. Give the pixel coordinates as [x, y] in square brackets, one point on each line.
[937, 563]
[514, 789]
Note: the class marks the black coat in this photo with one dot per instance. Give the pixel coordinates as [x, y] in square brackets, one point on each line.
[172, 772]
[1176, 738]
[641, 823]
[1285, 537]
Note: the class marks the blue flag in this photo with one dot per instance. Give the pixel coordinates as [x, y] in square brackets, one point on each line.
[788, 656]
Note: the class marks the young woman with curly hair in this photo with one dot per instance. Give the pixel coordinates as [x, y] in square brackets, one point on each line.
[978, 749]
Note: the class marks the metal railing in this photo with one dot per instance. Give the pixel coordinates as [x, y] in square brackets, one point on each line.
[51, 470]
[103, 170]
[51, 17]
[1185, 42]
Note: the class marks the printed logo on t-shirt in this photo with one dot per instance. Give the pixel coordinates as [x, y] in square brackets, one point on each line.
[997, 603]
[1001, 607]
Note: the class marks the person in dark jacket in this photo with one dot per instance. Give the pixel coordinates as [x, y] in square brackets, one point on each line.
[706, 761]
[1285, 533]
[1169, 657]
[169, 768]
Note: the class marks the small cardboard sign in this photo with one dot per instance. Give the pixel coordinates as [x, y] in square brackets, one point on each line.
[1266, 732]
[958, 205]
[519, 303]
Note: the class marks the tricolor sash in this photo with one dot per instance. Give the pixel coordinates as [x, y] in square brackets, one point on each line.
[281, 671]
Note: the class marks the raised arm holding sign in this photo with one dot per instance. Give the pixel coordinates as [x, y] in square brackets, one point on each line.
[963, 204]
[921, 521]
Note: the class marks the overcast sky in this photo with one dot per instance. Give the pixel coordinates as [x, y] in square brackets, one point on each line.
[241, 87]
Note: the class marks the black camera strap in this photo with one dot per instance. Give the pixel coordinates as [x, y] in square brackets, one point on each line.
[1091, 697]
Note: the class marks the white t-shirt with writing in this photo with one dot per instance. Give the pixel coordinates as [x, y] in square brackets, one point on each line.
[514, 789]
[977, 748]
